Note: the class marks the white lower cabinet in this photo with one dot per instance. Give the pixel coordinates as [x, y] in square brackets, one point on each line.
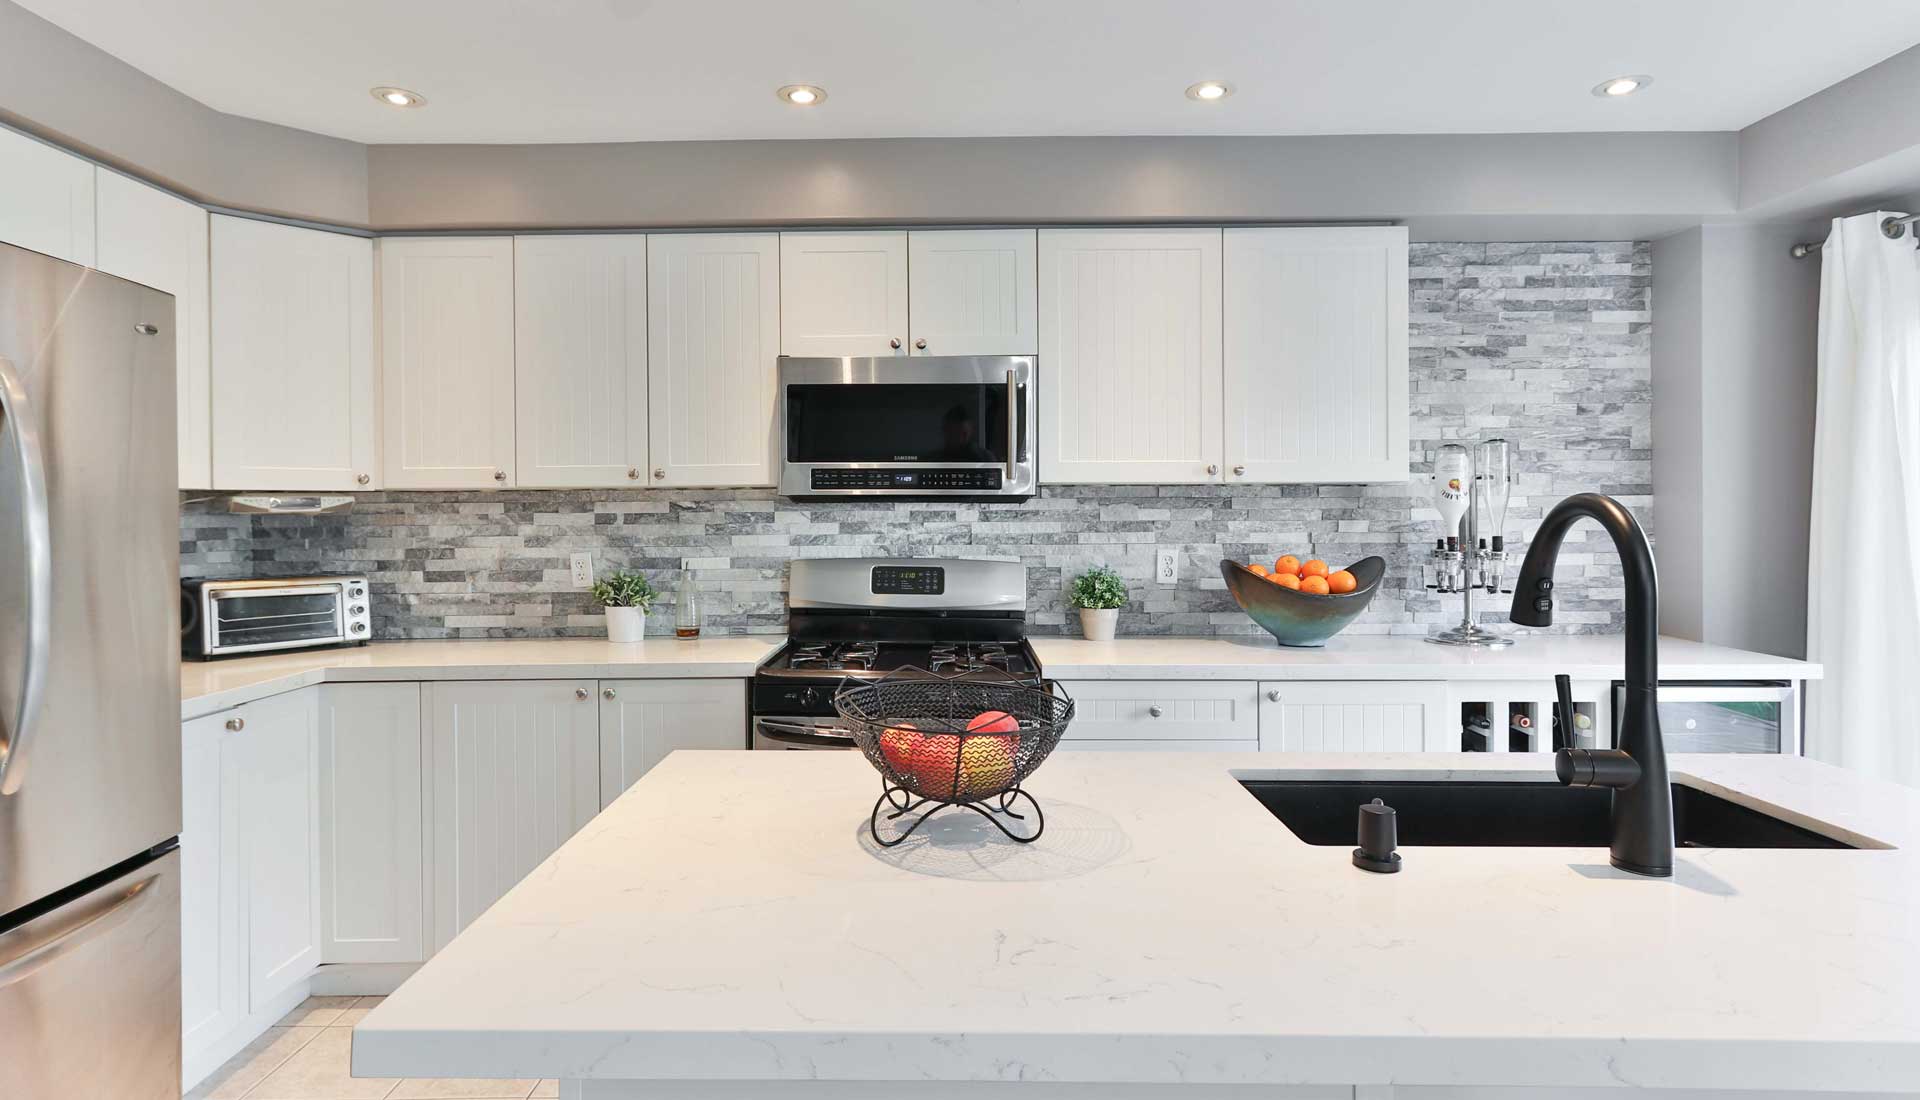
[1355, 716]
[641, 721]
[1163, 714]
[514, 770]
[371, 871]
[213, 988]
[280, 843]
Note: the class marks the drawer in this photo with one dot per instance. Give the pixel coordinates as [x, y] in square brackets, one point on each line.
[1164, 710]
[1075, 744]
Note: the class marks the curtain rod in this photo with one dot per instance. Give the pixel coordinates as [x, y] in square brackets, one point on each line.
[1893, 228]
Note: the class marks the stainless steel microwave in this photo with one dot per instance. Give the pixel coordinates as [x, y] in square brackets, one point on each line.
[935, 426]
[222, 617]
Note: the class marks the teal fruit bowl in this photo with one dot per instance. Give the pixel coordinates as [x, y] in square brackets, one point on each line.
[1302, 618]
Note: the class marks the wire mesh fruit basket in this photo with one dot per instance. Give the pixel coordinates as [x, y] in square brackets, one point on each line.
[947, 741]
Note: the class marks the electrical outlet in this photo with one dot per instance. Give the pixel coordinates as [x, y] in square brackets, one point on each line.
[1166, 566]
[582, 565]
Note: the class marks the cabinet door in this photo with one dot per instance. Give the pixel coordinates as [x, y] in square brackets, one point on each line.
[580, 360]
[280, 836]
[514, 771]
[213, 991]
[446, 362]
[641, 721]
[1129, 355]
[713, 334]
[973, 292]
[46, 199]
[371, 881]
[843, 293]
[154, 239]
[1355, 716]
[1316, 354]
[1213, 714]
[292, 324]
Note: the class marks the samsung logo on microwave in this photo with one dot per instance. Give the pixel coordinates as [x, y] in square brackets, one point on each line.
[906, 458]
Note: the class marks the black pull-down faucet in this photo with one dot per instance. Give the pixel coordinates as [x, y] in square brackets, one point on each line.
[1637, 770]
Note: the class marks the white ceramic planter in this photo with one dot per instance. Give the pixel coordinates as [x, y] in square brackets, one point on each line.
[626, 624]
[1097, 623]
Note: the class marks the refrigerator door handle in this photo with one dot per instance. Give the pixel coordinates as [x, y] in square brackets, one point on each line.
[17, 421]
[34, 948]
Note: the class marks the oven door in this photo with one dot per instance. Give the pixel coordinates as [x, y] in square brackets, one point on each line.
[268, 617]
[935, 426]
[800, 733]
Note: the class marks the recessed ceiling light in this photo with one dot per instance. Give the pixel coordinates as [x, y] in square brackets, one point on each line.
[399, 97]
[1207, 91]
[1621, 85]
[803, 95]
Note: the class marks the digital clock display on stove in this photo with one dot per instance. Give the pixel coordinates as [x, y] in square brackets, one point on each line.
[903, 580]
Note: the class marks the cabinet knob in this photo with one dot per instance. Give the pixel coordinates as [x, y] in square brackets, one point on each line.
[659, 473]
[580, 694]
[363, 479]
[894, 343]
[1212, 469]
[146, 329]
[1155, 710]
[1239, 471]
[499, 475]
[1273, 695]
[607, 693]
[633, 473]
[921, 343]
[236, 724]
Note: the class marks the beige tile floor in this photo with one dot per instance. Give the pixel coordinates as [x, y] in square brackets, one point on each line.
[304, 1057]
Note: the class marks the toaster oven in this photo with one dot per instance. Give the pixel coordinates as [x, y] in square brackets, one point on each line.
[223, 617]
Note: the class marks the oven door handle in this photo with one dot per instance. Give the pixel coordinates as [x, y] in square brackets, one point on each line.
[804, 733]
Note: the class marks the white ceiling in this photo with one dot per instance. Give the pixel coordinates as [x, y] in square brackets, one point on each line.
[642, 70]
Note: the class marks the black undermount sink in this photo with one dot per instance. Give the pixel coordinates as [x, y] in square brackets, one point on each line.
[1470, 814]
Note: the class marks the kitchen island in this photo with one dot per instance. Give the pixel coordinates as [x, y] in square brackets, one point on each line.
[726, 929]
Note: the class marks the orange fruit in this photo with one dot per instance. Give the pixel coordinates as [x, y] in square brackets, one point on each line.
[1342, 581]
[1314, 568]
[1285, 580]
[1287, 564]
[1256, 567]
[1314, 584]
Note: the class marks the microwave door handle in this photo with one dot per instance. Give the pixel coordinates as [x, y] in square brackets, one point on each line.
[1013, 421]
[17, 420]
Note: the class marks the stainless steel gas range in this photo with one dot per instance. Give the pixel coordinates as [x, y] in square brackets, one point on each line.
[852, 619]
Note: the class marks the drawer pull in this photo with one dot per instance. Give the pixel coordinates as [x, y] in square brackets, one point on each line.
[1273, 695]
[1155, 711]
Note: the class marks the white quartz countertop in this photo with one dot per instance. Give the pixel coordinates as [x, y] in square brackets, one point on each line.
[728, 919]
[209, 686]
[1373, 657]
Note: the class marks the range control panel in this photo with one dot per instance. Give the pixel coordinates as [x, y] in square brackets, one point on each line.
[899, 580]
[965, 480]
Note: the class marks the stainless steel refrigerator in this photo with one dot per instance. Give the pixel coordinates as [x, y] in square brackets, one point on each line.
[89, 686]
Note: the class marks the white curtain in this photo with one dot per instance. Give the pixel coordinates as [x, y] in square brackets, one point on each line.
[1863, 580]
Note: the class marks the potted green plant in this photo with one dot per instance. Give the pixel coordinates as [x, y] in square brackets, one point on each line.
[1099, 593]
[626, 596]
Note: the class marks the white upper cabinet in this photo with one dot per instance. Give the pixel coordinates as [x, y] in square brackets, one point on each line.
[46, 199]
[972, 292]
[1130, 384]
[1316, 354]
[713, 333]
[843, 293]
[152, 238]
[293, 376]
[580, 360]
[446, 362]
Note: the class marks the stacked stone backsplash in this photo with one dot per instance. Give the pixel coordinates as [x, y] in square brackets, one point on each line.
[1544, 344]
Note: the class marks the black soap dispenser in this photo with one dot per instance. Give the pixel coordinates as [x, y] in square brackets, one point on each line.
[1379, 836]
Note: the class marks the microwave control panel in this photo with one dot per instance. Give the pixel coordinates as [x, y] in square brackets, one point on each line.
[963, 480]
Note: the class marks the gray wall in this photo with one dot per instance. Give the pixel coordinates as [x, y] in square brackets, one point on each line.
[1734, 372]
[1546, 344]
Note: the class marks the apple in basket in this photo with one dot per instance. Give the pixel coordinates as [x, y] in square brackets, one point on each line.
[928, 760]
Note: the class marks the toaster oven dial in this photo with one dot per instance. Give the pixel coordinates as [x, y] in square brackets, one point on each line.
[359, 628]
[356, 609]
